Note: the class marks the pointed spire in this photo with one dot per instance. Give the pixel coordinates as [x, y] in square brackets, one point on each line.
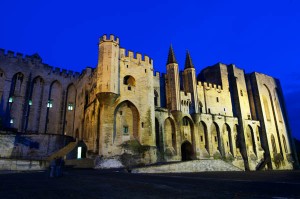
[171, 56]
[188, 61]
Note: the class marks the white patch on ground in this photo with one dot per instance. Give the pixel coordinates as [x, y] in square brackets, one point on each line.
[108, 164]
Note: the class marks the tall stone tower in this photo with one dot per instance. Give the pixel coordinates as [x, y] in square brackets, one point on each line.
[108, 65]
[190, 82]
[173, 82]
[108, 88]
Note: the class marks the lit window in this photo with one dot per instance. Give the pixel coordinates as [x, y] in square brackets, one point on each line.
[70, 106]
[30, 102]
[125, 130]
[11, 121]
[50, 104]
[10, 100]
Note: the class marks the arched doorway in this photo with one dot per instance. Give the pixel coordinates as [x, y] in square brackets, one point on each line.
[187, 151]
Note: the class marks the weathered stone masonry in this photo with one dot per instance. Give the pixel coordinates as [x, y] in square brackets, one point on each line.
[220, 113]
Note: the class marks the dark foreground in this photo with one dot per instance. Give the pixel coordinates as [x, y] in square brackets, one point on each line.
[108, 184]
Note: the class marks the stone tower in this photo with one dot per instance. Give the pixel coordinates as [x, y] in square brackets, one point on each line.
[108, 65]
[172, 82]
[190, 84]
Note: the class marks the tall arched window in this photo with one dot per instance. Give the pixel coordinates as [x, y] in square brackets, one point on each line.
[284, 144]
[273, 144]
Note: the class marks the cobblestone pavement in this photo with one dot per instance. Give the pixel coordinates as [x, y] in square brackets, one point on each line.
[112, 184]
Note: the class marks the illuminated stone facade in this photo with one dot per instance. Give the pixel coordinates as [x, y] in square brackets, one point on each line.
[220, 113]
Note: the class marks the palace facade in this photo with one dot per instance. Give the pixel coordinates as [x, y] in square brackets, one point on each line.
[220, 113]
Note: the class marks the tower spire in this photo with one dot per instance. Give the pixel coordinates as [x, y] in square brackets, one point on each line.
[188, 61]
[171, 56]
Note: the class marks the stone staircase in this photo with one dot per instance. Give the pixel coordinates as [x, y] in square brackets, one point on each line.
[189, 166]
[63, 151]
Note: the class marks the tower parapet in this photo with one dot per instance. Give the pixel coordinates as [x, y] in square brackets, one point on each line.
[110, 38]
[135, 56]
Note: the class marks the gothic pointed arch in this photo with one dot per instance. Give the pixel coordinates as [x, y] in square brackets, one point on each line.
[70, 106]
[187, 130]
[217, 144]
[227, 137]
[15, 100]
[250, 139]
[126, 122]
[35, 104]
[54, 108]
[273, 144]
[170, 134]
[203, 135]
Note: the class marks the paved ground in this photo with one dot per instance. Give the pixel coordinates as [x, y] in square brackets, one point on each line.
[108, 184]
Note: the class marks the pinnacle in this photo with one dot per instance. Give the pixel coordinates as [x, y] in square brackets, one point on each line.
[171, 56]
[188, 61]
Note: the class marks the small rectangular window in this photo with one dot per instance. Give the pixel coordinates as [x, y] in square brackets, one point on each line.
[217, 99]
[201, 138]
[70, 106]
[50, 104]
[142, 124]
[145, 70]
[241, 92]
[208, 110]
[129, 88]
[30, 102]
[216, 139]
[125, 130]
[10, 100]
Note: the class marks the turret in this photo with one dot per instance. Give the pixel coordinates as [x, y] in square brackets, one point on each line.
[108, 65]
[172, 82]
[190, 82]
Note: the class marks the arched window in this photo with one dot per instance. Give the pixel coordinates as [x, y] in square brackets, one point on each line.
[273, 144]
[284, 144]
[129, 81]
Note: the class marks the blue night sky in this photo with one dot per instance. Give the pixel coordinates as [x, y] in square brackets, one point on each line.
[262, 36]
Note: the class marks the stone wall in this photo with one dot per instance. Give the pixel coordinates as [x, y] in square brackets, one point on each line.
[31, 146]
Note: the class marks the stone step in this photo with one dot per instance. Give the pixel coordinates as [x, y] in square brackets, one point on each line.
[189, 166]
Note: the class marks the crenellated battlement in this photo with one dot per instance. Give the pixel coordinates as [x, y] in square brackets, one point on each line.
[36, 60]
[156, 74]
[132, 56]
[64, 72]
[110, 38]
[209, 86]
